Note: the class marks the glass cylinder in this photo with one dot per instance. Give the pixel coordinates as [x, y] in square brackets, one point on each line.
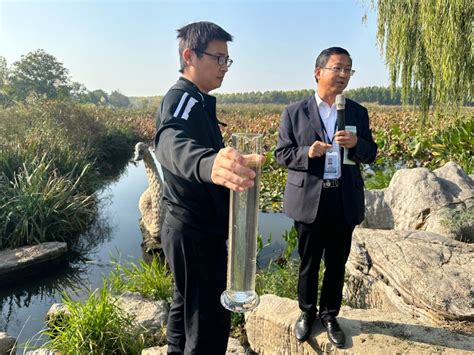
[240, 295]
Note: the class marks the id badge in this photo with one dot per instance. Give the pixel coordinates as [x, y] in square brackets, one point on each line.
[331, 164]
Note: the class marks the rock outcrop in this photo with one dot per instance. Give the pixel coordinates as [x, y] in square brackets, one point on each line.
[440, 201]
[416, 272]
[270, 331]
[148, 314]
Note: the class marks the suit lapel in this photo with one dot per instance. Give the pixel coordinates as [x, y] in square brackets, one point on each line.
[312, 112]
[351, 118]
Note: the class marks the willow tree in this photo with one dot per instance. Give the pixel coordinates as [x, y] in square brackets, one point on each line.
[427, 45]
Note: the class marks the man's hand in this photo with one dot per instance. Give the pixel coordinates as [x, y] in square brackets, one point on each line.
[318, 149]
[345, 139]
[231, 169]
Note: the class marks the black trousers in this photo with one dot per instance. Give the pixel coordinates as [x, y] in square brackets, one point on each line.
[197, 322]
[329, 234]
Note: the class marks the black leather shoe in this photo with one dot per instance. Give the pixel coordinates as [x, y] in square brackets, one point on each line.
[335, 333]
[303, 326]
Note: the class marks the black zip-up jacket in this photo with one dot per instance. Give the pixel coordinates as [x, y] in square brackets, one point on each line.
[186, 143]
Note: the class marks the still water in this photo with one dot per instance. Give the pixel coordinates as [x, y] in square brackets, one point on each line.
[115, 237]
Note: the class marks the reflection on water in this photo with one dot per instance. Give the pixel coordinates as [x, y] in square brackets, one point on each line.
[115, 235]
[28, 291]
[68, 275]
[24, 305]
[272, 225]
[91, 242]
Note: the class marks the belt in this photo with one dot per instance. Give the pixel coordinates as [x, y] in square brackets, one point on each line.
[328, 183]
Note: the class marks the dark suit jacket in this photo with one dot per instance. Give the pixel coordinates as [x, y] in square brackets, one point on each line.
[300, 126]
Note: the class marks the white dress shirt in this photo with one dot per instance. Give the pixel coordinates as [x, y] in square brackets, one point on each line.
[328, 116]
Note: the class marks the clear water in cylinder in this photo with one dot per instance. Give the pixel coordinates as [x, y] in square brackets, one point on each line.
[240, 295]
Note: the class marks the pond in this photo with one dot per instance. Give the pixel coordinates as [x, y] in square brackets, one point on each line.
[115, 236]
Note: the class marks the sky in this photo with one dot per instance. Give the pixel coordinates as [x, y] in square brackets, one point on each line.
[131, 46]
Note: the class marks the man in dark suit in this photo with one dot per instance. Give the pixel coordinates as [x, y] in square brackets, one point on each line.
[324, 192]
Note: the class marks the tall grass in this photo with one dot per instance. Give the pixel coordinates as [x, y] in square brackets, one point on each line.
[153, 281]
[53, 157]
[95, 327]
[40, 205]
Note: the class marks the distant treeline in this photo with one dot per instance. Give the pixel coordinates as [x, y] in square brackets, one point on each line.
[373, 94]
[39, 75]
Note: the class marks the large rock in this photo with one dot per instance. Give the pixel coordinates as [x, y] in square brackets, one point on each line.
[378, 214]
[270, 331]
[7, 344]
[151, 315]
[419, 273]
[30, 257]
[455, 181]
[440, 201]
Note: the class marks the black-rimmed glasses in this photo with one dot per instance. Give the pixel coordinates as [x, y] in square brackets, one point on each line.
[221, 60]
[338, 70]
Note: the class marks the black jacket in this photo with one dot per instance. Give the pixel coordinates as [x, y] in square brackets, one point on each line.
[299, 127]
[186, 143]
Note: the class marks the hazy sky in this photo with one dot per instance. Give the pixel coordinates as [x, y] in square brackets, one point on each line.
[131, 45]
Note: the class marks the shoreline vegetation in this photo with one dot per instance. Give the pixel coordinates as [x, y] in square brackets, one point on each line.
[55, 155]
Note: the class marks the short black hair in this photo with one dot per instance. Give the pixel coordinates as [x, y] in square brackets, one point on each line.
[323, 57]
[197, 36]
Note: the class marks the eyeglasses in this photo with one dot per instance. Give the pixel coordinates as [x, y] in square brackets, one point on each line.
[338, 70]
[221, 60]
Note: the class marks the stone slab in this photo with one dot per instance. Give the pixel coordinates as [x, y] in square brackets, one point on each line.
[270, 331]
[23, 258]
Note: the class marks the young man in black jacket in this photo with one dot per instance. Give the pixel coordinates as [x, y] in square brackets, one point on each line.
[198, 173]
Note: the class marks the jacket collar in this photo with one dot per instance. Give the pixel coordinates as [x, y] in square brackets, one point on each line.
[191, 88]
[208, 102]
